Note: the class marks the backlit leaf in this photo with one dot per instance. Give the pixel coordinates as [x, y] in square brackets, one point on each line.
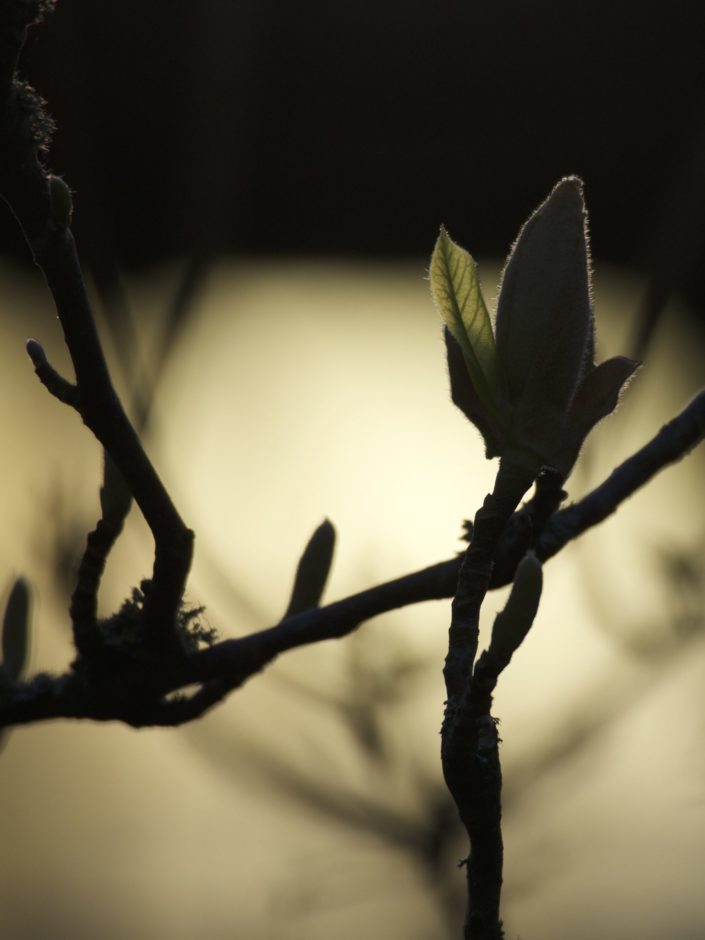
[465, 397]
[597, 397]
[455, 289]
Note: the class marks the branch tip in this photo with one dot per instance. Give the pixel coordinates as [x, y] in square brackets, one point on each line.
[55, 383]
[35, 351]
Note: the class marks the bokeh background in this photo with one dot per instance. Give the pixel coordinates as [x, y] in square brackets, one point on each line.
[258, 188]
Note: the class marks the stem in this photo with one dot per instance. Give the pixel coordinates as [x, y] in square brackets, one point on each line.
[475, 573]
[84, 601]
[469, 741]
[103, 413]
[237, 660]
[675, 439]
[480, 810]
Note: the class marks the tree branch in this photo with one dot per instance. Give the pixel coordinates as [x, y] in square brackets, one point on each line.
[63, 390]
[232, 662]
[103, 413]
[673, 442]
[42, 205]
[469, 751]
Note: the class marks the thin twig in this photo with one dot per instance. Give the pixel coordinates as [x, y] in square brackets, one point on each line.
[675, 439]
[103, 413]
[63, 390]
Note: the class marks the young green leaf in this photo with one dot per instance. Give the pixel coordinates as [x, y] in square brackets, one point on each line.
[464, 395]
[532, 388]
[455, 289]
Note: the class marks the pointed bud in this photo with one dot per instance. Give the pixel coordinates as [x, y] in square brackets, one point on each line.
[15, 630]
[544, 311]
[514, 622]
[312, 570]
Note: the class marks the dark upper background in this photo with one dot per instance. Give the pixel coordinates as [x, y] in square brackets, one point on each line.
[355, 128]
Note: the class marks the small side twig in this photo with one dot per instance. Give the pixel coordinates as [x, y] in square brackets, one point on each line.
[115, 499]
[63, 390]
[103, 413]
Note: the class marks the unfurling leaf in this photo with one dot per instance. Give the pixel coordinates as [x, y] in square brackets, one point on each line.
[455, 289]
[464, 396]
[15, 630]
[536, 393]
[597, 397]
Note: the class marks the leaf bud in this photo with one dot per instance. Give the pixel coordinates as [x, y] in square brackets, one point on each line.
[514, 622]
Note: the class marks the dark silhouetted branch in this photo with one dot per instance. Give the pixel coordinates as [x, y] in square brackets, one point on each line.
[469, 746]
[103, 413]
[675, 439]
[65, 391]
[236, 660]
